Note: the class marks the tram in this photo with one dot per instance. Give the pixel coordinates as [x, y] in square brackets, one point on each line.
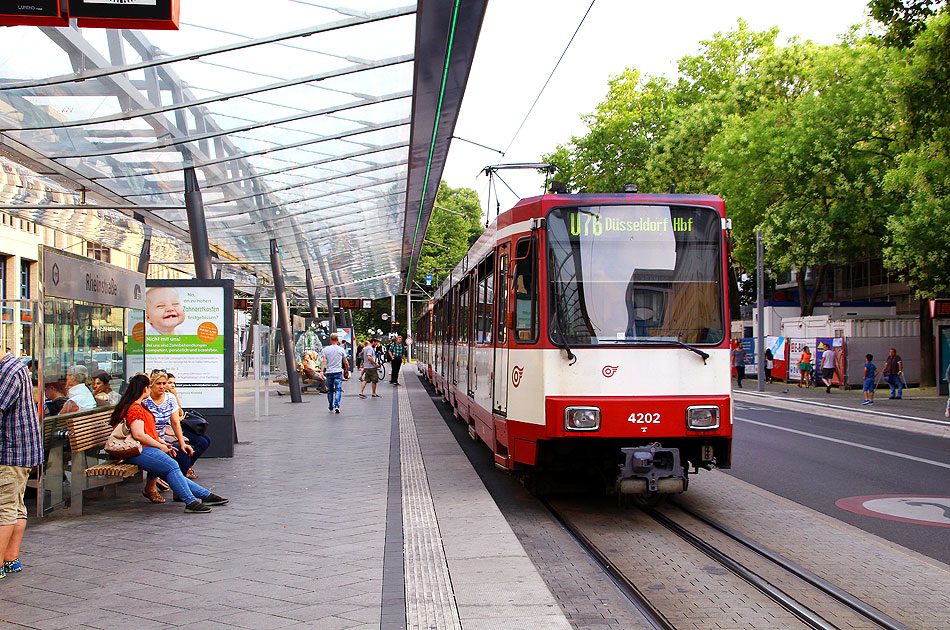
[588, 335]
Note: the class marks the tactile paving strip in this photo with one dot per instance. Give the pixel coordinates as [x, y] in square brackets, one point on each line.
[430, 601]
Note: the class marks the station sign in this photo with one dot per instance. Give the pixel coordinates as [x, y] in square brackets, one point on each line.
[428, 279]
[939, 309]
[354, 303]
[73, 277]
[34, 13]
[135, 14]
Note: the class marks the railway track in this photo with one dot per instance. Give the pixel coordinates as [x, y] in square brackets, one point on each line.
[749, 582]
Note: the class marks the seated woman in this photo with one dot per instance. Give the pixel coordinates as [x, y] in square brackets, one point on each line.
[102, 391]
[310, 371]
[167, 413]
[156, 457]
[198, 443]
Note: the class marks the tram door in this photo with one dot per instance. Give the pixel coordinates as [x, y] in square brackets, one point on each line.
[453, 336]
[500, 368]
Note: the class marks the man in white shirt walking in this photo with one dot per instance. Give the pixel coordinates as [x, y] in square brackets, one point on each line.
[334, 362]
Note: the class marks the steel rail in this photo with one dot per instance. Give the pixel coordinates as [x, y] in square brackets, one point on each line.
[803, 613]
[840, 595]
[651, 613]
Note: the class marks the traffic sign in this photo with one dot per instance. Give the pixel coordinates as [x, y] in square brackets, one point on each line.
[428, 279]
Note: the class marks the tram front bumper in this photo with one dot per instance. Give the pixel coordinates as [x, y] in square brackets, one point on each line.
[651, 469]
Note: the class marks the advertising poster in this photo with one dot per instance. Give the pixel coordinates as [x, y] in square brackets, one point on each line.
[836, 346]
[134, 342]
[795, 347]
[185, 335]
[748, 344]
[778, 346]
[345, 335]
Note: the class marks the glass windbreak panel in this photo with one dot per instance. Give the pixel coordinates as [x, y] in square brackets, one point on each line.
[89, 352]
[622, 273]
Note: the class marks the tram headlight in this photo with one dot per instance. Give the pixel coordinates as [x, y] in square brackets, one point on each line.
[702, 417]
[582, 418]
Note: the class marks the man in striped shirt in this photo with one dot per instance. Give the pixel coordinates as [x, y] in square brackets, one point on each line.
[21, 448]
[396, 351]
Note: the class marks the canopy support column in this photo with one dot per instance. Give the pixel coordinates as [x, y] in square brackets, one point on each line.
[332, 312]
[286, 336]
[311, 294]
[197, 227]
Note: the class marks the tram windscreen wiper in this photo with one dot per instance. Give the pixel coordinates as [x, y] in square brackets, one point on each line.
[665, 341]
[557, 317]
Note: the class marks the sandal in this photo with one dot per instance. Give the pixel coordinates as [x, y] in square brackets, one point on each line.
[191, 474]
[163, 486]
[153, 496]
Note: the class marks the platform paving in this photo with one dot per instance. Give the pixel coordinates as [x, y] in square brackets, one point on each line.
[313, 536]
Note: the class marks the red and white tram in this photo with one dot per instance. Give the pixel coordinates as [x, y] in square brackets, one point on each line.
[589, 334]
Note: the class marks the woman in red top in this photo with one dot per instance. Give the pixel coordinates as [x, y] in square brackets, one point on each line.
[156, 457]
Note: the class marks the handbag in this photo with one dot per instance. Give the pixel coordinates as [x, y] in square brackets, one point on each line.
[120, 443]
[194, 422]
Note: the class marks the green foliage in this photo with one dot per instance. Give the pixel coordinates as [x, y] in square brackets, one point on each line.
[904, 19]
[456, 234]
[918, 235]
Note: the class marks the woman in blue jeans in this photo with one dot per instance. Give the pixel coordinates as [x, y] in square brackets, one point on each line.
[157, 456]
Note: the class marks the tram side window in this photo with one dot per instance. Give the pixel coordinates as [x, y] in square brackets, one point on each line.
[502, 298]
[462, 335]
[526, 292]
[488, 305]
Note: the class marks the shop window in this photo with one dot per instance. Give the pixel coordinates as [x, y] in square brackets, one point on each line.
[99, 252]
[25, 279]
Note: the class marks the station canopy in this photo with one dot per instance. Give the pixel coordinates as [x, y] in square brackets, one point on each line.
[322, 127]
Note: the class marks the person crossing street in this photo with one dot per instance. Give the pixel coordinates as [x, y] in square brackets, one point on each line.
[396, 351]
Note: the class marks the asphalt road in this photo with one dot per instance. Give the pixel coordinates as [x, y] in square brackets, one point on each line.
[815, 461]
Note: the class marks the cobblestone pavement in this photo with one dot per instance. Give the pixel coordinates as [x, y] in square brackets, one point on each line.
[300, 544]
[588, 599]
[910, 587]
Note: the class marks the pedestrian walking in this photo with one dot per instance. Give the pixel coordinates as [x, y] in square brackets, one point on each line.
[21, 448]
[893, 373]
[769, 362]
[804, 368]
[396, 351]
[370, 368]
[827, 367]
[738, 362]
[870, 371]
[334, 363]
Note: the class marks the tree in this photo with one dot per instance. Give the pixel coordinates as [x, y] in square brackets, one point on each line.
[904, 19]
[918, 235]
[807, 168]
[452, 234]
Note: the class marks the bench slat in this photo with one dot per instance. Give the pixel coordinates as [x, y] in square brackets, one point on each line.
[112, 470]
[88, 431]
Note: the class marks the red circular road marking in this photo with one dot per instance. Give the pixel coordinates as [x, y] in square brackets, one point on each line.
[919, 509]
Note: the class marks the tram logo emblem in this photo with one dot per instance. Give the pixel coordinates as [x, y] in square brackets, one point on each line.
[55, 274]
[609, 370]
[516, 374]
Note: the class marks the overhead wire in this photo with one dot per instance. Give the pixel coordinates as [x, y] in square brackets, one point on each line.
[561, 58]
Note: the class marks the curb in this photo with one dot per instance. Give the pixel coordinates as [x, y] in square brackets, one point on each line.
[866, 416]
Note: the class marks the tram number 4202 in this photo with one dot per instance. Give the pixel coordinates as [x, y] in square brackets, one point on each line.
[644, 418]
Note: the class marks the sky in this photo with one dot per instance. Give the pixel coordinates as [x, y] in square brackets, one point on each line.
[521, 40]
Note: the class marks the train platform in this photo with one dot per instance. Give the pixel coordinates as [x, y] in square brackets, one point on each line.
[920, 409]
[371, 518]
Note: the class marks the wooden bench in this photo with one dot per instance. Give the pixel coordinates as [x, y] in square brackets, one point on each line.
[305, 384]
[87, 435]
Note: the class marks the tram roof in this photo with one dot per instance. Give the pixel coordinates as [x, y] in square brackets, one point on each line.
[324, 128]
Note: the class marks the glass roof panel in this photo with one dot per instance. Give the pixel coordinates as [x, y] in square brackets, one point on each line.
[296, 119]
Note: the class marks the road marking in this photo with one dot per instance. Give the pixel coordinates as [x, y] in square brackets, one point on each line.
[863, 411]
[930, 510]
[847, 443]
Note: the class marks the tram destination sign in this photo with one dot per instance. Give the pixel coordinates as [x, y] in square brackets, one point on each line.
[142, 14]
[73, 277]
[34, 13]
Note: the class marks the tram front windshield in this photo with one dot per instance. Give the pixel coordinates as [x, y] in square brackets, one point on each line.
[622, 273]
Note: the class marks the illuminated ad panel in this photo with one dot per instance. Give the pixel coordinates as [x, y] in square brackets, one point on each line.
[34, 13]
[142, 14]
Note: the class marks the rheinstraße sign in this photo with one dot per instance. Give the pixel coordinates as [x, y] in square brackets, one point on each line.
[141, 14]
[79, 278]
[33, 13]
